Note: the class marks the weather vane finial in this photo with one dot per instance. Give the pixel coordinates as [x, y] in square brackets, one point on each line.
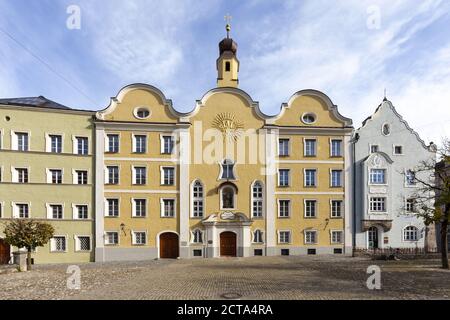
[385, 98]
[228, 26]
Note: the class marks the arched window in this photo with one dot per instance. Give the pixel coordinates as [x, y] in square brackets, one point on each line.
[257, 199]
[228, 197]
[228, 170]
[197, 199]
[257, 236]
[197, 236]
[410, 233]
[227, 66]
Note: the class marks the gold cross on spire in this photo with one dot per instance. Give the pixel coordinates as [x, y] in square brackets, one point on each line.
[228, 27]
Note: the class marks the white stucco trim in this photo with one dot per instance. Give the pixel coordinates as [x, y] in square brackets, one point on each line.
[100, 169]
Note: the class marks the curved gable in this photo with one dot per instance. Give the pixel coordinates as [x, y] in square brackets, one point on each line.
[310, 101]
[122, 107]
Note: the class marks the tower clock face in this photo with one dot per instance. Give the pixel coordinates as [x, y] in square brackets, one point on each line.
[228, 124]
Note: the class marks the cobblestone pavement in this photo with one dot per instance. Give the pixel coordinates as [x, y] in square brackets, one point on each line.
[251, 278]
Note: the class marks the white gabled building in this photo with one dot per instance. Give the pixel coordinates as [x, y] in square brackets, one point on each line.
[386, 152]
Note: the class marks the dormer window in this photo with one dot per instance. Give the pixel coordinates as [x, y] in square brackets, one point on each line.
[141, 113]
[227, 66]
[228, 170]
[309, 118]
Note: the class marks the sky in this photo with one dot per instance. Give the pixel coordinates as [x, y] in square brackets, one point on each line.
[351, 50]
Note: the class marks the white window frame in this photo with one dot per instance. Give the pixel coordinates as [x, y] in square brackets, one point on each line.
[340, 148]
[342, 209]
[417, 238]
[406, 184]
[316, 175]
[288, 147]
[194, 199]
[261, 235]
[133, 237]
[174, 208]
[48, 142]
[289, 178]
[107, 150]
[15, 174]
[134, 176]
[75, 211]
[77, 242]
[316, 236]
[53, 244]
[315, 147]
[118, 173]
[413, 205]
[75, 176]
[373, 145]
[385, 183]
[279, 236]
[162, 143]
[133, 206]
[259, 199]
[332, 232]
[49, 175]
[15, 209]
[398, 154]
[221, 164]
[106, 213]
[193, 236]
[289, 208]
[316, 209]
[48, 206]
[162, 175]
[75, 145]
[15, 140]
[106, 237]
[341, 178]
[385, 205]
[134, 145]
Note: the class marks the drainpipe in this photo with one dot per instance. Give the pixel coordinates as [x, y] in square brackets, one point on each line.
[354, 141]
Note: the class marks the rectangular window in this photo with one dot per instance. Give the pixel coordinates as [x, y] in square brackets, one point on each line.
[111, 238]
[56, 211]
[336, 148]
[168, 176]
[410, 205]
[198, 208]
[22, 210]
[283, 147]
[398, 150]
[82, 145]
[257, 208]
[377, 204]
[82, 211]
[310, 177]
[113, 208]
[168, 144]
[22, 141]
[374, 148]
[377, 176]
[310, 237]
[336, 208]
[336, 178]
[113, 175]
[140, 207]
[310, 208]
[55, 143]
[284, 237]
[336, 236]
[283, 177]
[59, 244]
[168, 208]
[22, 175]
[139, 238]
[140, 175]
[83, 243]
[410, 178]
[284, 208]
[310, 147]
[113, 143]
[82, 176]
[140, 143]
[56, 176]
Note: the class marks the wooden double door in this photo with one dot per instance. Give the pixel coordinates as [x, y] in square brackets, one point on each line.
[5, 253]
[228, 244]
[169, 247]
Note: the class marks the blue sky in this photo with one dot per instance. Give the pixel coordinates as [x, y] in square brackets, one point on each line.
[338, 47]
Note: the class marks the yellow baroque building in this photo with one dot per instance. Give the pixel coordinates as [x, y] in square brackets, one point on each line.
[46, 173]
[224, 179]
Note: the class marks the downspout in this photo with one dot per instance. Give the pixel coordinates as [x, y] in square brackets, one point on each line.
[354, 141]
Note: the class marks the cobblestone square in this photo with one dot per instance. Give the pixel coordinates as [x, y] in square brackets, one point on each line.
[288, 278]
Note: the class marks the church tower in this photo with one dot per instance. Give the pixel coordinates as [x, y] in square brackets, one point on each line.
[227, 63]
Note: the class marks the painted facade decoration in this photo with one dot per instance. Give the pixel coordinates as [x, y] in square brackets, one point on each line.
[386, 152]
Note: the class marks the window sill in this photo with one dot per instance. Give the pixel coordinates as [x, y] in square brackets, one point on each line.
[138, 217]
[336, 217]
[310, 218]
[283, 217]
